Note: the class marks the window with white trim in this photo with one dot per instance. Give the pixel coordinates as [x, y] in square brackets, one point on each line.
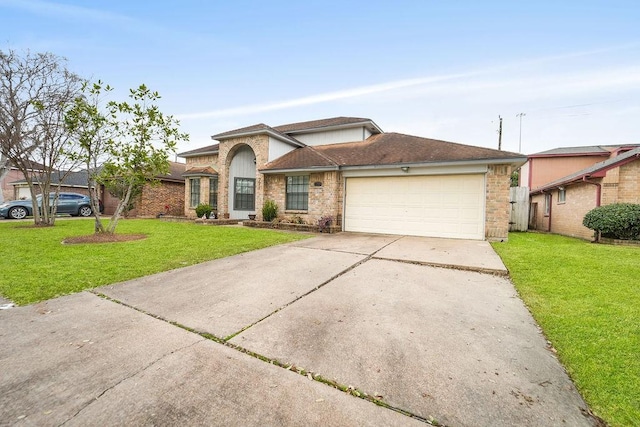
[298, 193]
[194, 192]
[562, 195]
[547, 204]
[245, 194]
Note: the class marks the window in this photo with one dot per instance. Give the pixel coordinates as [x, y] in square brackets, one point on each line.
[562, 195]
[245, 194]
[297, 193]
[213, 193]
[547, 204]
[194, 191]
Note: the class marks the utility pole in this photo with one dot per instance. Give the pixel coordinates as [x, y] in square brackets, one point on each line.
[500, 134]
[521, 115]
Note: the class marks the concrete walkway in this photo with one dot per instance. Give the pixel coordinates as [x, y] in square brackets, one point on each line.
[255, 338]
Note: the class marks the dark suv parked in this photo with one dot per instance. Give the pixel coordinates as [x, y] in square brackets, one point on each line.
[73, 204]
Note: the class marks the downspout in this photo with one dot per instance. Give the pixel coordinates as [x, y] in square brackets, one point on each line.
[598, 190]
[596, 236]
[550, 211]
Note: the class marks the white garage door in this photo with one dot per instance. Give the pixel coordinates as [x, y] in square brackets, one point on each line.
[435, 206]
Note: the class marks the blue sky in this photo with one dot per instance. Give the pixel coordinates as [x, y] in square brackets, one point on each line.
[437, 69]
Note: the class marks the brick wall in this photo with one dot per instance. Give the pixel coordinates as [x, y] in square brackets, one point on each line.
[566, 218]
[260, 146]
[629, 186]
[155, 198]
[196, 162]
[498, 208]
[324, 199]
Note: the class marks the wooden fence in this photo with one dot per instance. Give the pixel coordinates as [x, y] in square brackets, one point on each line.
[519, 199]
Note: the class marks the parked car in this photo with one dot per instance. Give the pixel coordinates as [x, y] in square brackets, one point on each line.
[73, 204]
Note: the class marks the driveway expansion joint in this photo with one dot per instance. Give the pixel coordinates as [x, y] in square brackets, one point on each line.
[491, 271]
[128, 377]
[348, 389]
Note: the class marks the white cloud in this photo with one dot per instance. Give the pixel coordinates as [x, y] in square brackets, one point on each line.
[68, 11]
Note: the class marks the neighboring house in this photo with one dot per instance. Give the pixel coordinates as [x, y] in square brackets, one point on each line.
[560, 204]
[365, 179]
[167, 197]
[9, 191]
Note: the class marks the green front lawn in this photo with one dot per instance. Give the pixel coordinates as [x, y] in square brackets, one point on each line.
[35, 265]
[586, 298]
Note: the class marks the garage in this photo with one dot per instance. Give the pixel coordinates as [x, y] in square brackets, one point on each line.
[450, 206]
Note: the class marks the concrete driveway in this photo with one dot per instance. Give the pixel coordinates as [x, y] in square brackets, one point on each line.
[430, 329]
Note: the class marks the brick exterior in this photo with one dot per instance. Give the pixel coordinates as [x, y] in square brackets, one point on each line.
[260, 146]
[156, 198]
[621, 185]
[497, 206]
[194, 162]
[629, 184]
[325, 199]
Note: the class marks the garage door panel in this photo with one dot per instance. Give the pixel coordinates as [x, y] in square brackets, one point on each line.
[437, 206]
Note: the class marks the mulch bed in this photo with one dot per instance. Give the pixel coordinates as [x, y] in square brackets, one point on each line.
[104, 238]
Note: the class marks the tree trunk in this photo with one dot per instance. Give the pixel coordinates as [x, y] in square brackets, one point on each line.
[4, 171]
[95, 206]
[116, 216]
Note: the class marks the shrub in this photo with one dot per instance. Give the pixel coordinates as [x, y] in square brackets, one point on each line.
[616, 221]
[269, 211]
[203, 209]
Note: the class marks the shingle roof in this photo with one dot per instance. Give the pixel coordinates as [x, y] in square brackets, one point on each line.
[175, 172]
[200, 171]
[72, 179]
[386, 149]
[591, 170]
[246, 129]
[209, 149]
[323, 123]
[258, 129]
[593, 150]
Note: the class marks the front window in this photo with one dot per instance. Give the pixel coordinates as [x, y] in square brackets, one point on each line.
[213, 193]
[547, 204]
[244, 198]
[562, 195]
[297, 193]
[194, 190]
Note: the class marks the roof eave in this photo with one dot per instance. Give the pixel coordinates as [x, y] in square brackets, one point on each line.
[259, 132]
[303, 169]
[202, 153]
[366, 123]
[515, 161]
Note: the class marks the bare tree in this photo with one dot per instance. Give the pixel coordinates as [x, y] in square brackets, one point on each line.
[35, 91]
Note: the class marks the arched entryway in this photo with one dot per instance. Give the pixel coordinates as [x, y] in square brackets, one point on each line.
[242, 183]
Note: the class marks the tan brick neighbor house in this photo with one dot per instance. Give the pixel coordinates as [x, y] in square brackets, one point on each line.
[560, 204]
[365, 179]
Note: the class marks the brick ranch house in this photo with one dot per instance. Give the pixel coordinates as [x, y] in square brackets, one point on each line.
[559, 205]
[365, 179]
[166, 197]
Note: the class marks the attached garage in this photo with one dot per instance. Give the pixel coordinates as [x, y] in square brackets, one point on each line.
[451, 206]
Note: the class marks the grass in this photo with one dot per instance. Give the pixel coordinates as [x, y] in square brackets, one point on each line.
[35, 265]
[586, 298]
